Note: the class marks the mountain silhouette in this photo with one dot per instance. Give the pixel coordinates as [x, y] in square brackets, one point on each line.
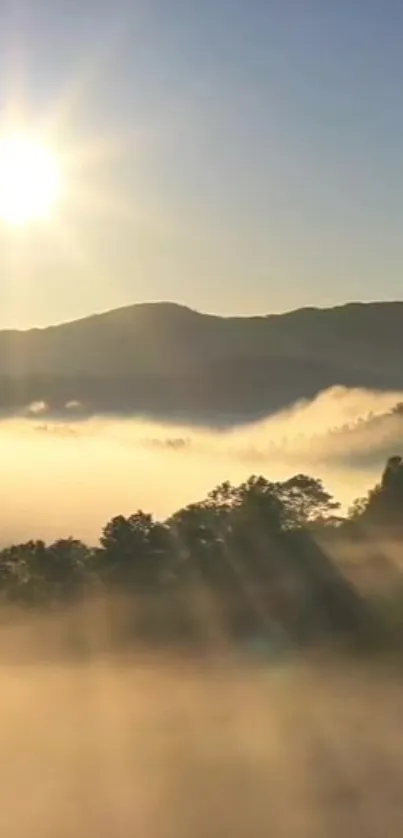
[167, 361]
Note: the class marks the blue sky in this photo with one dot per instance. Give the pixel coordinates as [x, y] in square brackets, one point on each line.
[242, 156]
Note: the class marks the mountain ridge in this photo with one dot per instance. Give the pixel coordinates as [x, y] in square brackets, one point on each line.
[186, 309]
[167, 360]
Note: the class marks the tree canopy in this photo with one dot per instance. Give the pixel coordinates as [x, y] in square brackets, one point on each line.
[249, 554]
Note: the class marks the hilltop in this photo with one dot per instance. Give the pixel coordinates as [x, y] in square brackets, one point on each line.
[168, 361]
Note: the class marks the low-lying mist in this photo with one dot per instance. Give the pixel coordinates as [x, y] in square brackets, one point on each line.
[62, 478]
[176, 748]
[105, 735]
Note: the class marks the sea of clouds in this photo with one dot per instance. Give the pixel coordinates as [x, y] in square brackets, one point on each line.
[69, 477]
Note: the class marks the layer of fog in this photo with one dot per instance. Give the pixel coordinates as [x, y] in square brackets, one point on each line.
[171, 749]
[60, 478]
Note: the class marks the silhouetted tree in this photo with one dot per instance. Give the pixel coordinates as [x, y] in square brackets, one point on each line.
[304, 500]
[134, 550]
[34, 573]
[238, 543]
[244, 560]
[383, 506]
[68, 566]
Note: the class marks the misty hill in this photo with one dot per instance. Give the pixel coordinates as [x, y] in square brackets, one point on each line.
[165, 360]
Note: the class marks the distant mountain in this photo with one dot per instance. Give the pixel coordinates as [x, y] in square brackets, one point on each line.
[167, 361]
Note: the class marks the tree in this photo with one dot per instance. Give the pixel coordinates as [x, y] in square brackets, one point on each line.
[244, 559]
[68, 563]
[383, 505]
[34, 573]
[134, 550]
[304, 500]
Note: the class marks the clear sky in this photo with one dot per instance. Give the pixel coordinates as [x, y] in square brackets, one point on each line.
[239, 156]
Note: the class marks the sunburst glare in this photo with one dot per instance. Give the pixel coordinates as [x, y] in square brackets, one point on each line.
[30, 180]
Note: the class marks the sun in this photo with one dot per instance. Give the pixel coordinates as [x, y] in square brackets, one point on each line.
[30, 180]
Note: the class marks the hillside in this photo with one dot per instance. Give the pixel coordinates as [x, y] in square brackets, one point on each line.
[166, 360]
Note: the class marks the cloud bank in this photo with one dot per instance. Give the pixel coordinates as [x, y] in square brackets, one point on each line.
[63, 478]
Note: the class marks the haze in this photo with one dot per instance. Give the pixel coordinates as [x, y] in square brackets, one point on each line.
[237, 157]
[64, 478]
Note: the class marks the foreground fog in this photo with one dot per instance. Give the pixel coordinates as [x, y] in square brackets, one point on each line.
[175, 749]
[69, 478]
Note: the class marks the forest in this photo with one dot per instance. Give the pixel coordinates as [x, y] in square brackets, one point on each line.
[274, 560]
